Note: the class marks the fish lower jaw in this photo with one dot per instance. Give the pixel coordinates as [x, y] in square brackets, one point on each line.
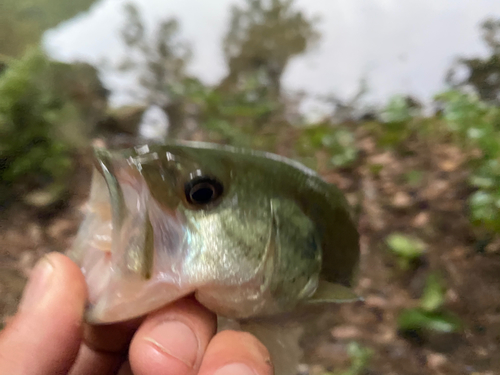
[126, 301]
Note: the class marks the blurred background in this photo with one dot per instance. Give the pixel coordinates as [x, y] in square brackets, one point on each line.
[397, 103]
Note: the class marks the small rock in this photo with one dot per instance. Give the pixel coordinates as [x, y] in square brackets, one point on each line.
[450, 165]
[452, 295]
[346, 332]
[421, 219]
[302, 369]
[331, 351]
[436, 189]
[482, 352]
[385, 158]
[368, 145]
[436, 360]
[365, 283]
[386, 335]
[493, 247]
[401, 199]
[375, 301]
[316, 370]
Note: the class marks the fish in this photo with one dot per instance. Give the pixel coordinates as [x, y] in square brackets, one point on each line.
[250, 234]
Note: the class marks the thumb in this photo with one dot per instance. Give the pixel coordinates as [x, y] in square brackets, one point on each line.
[44, 336]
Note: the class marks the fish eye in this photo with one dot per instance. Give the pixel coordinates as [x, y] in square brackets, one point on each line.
[203, 190]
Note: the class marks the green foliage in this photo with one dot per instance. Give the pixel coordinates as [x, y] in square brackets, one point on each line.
[434, 292]
[472, 121]
[35, 115]
[160, 64]
[476, 124]
[482, 73]
[485, 202]
[396, 124]
[400, 119]
[406, 248]
[337, 141]
[420, 320]
[22, 22]
[264, 35]
[398, 110]
[430, 315]
[246, 109]
[160, 60]
[472, 124]
[240, 119]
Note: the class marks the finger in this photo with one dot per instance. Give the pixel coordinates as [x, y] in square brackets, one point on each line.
[173, 340]
[44, 336]
[236, 353]
[104, 348]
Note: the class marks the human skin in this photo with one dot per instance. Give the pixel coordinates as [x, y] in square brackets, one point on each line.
[48, 335]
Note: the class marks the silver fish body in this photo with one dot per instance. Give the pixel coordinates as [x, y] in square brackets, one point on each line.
[250, 234]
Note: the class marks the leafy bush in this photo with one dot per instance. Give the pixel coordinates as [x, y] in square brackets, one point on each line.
[243, 118]
[337, 141]
[33, 154]
[399, 118]
[476, 124]
[398, 110]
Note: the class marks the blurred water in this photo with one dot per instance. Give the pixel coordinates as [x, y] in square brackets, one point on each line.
[400, 46]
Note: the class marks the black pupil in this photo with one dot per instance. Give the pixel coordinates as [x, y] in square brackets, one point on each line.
[202, 193]
[203, 190]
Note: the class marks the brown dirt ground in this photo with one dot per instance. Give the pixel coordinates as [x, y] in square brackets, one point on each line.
[435, 210]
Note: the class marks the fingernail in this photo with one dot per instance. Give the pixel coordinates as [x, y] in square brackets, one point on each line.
[37, 285]
[235, 369]
[177, 340]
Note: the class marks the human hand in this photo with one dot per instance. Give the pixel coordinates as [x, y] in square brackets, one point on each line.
[47, 336]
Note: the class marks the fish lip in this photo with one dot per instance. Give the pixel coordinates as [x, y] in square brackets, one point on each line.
[116, 291]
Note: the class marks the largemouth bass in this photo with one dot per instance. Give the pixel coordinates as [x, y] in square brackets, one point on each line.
[250, 234]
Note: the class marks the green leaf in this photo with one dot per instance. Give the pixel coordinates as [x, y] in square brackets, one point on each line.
[397, 111]
[418, 319]
[434, 294]
[405, 246]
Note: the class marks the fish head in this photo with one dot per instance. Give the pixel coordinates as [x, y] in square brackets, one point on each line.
[170, 221]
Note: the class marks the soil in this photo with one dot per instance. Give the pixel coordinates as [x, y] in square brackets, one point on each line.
[434, 209]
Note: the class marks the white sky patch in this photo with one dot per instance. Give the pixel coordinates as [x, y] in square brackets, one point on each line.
[154, 124]
[400, 46]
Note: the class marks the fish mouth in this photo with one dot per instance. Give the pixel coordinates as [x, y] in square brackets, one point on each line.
[129, 249]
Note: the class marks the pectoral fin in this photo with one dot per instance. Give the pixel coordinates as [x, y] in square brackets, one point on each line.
[333, 293]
